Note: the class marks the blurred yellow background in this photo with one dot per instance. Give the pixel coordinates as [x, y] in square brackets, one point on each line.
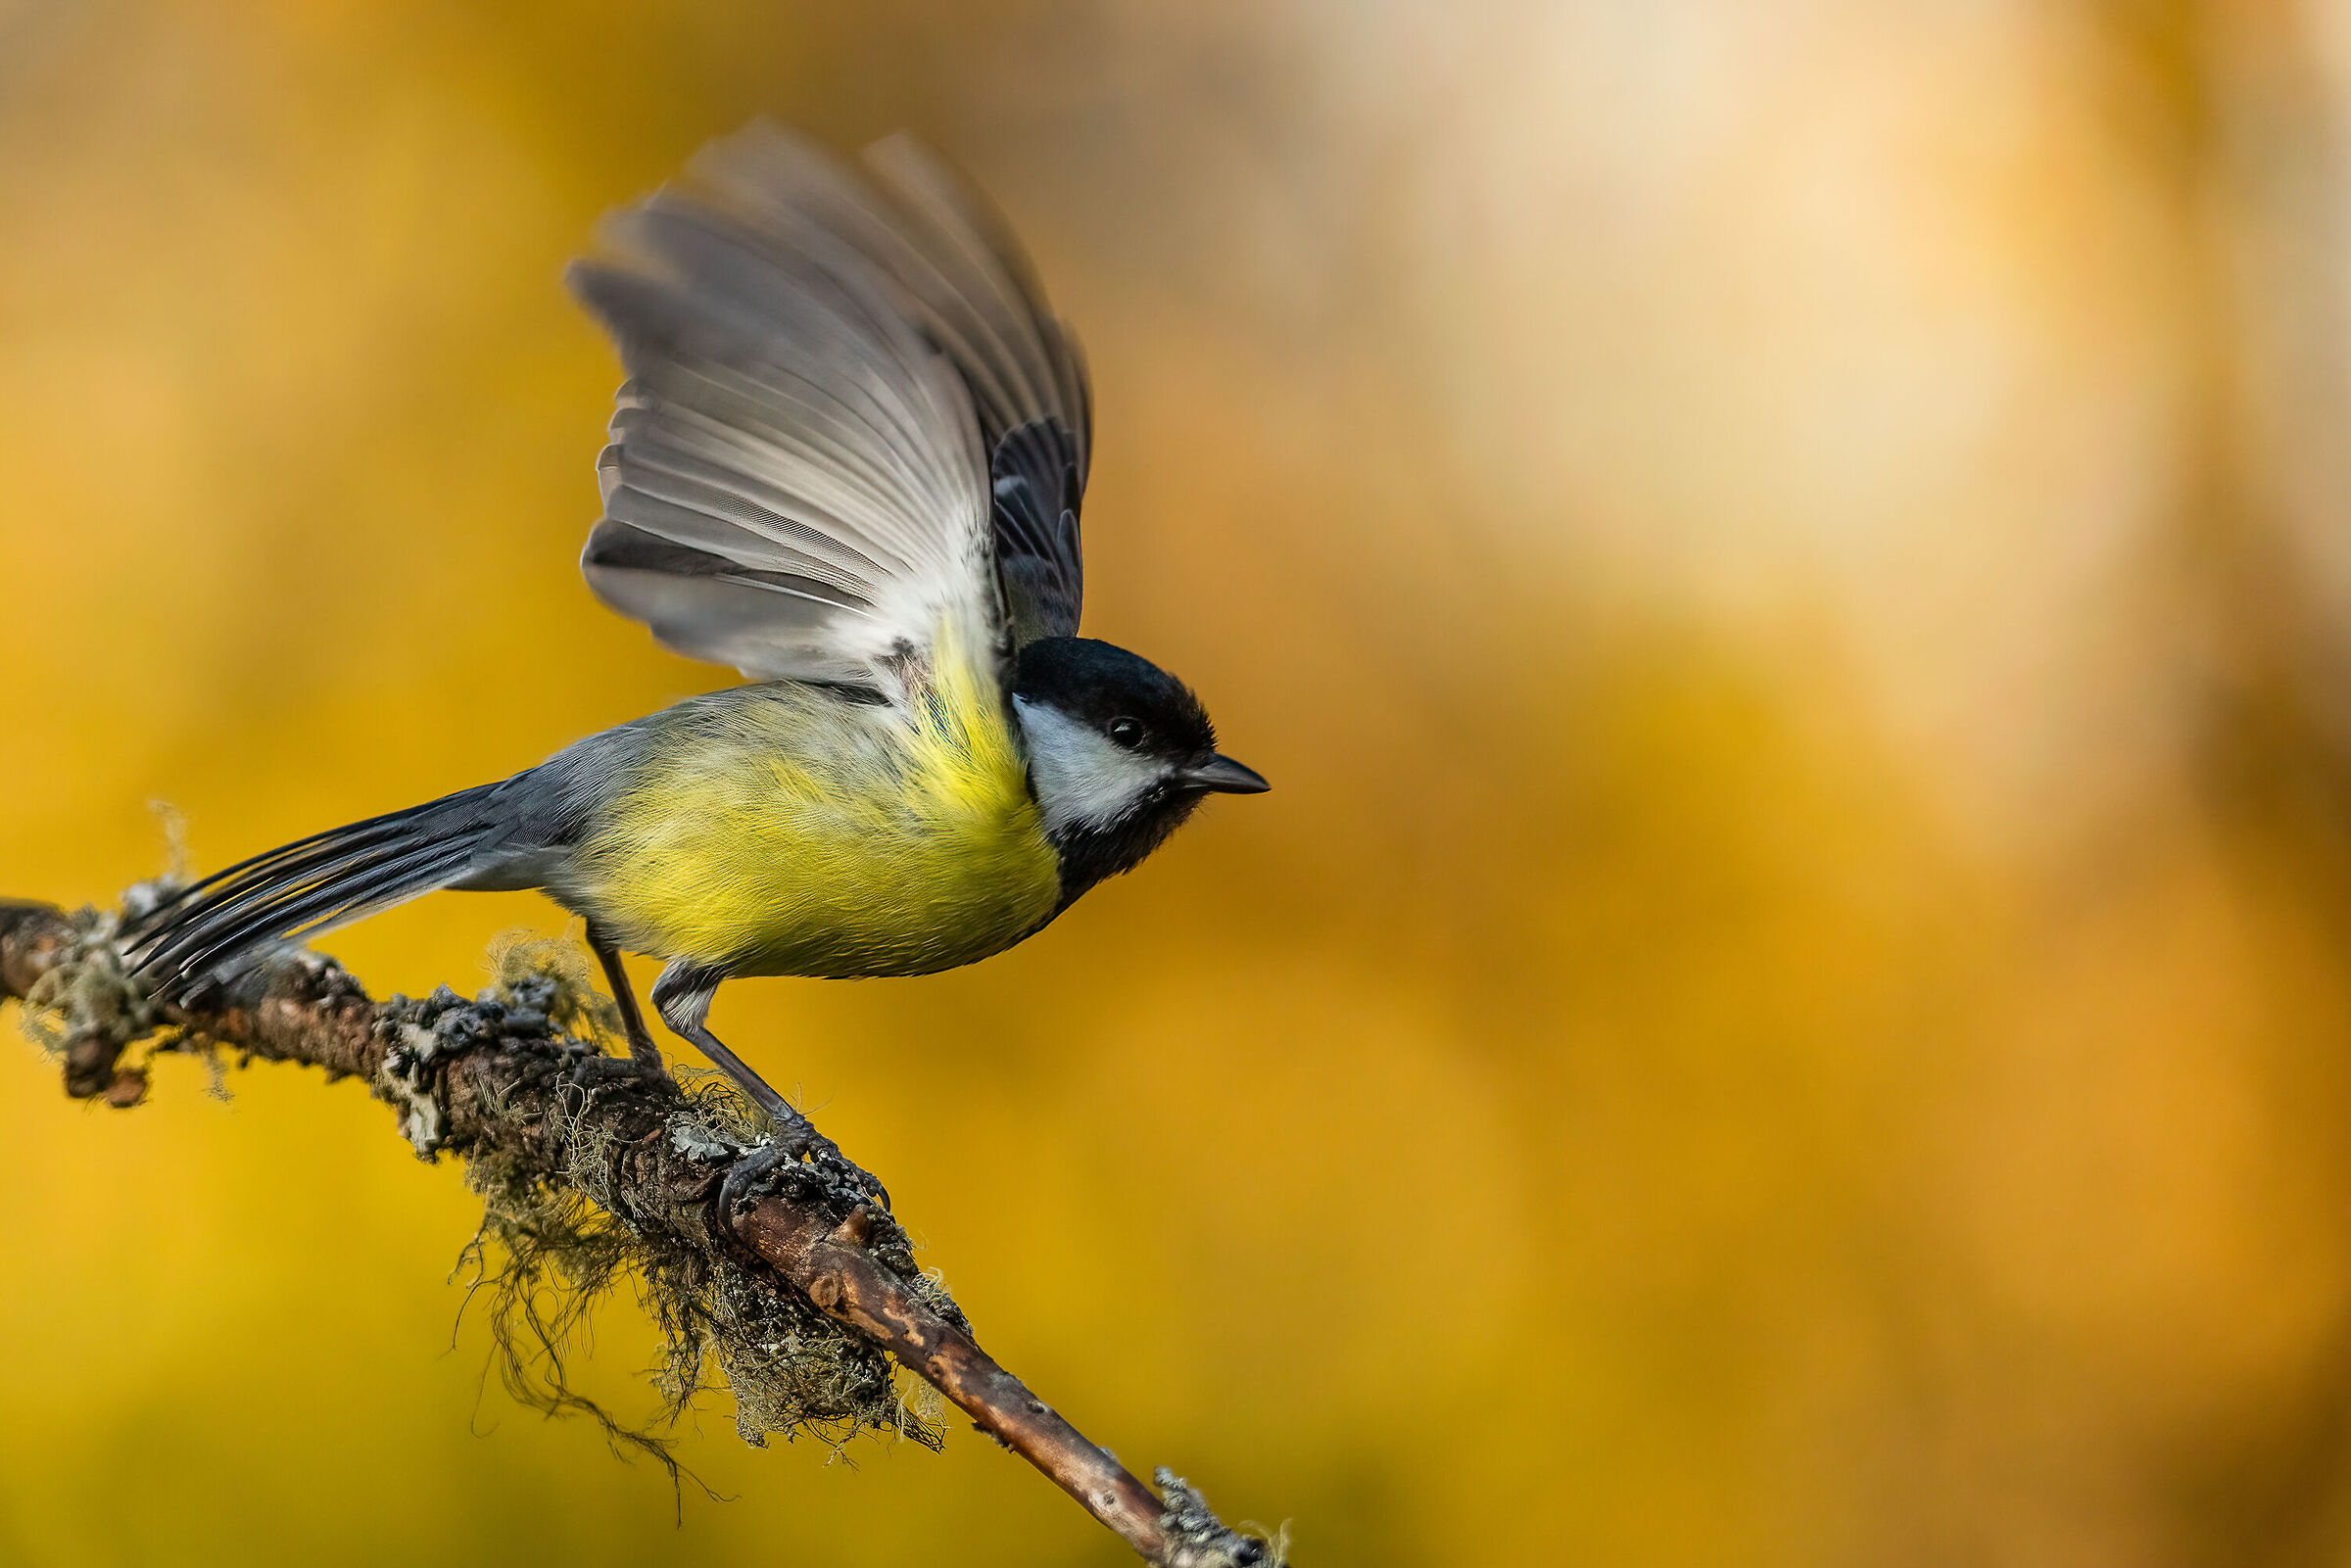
[1789, 563]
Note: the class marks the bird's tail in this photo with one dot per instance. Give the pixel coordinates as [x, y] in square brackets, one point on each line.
[310, 885]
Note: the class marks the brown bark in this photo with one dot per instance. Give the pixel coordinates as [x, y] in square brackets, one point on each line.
[515, 1089]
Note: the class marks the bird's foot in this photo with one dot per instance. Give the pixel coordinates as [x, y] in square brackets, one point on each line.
[745, 1175]
[591, 1072]
[791, 1143]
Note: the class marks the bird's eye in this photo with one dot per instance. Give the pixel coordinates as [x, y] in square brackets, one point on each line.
[1127, 733]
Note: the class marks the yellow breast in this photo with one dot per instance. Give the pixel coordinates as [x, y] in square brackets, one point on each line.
[777, 830]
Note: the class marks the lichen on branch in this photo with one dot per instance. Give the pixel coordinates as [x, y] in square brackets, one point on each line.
[592, 1172]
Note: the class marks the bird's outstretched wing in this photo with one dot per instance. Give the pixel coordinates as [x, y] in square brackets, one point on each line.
[849, 418]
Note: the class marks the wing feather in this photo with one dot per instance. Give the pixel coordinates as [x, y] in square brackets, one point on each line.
[848, 417]
[1027, 375]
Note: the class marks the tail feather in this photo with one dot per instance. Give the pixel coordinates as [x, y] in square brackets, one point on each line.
[288, 903]
[310, 885]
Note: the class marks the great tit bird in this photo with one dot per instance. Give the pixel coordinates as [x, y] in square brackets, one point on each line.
[847, 460]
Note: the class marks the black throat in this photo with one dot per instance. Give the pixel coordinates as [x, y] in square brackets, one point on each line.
[1091, 854]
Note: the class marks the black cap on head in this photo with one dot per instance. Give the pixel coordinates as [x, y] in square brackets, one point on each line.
[1099, 684]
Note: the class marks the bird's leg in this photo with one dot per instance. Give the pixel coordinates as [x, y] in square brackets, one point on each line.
[644, 1060]
[682, 996]
[641, 1049]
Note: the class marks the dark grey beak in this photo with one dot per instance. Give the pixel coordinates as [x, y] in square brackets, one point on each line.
[1224, 776]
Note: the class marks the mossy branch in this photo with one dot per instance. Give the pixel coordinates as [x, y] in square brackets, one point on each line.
[799, 1291]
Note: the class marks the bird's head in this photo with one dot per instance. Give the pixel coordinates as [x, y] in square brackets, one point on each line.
[1120, 752]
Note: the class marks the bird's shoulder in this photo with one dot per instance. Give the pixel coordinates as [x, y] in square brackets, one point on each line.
[938, 713]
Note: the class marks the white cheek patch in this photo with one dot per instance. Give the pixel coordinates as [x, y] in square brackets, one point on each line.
[1081, 778]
